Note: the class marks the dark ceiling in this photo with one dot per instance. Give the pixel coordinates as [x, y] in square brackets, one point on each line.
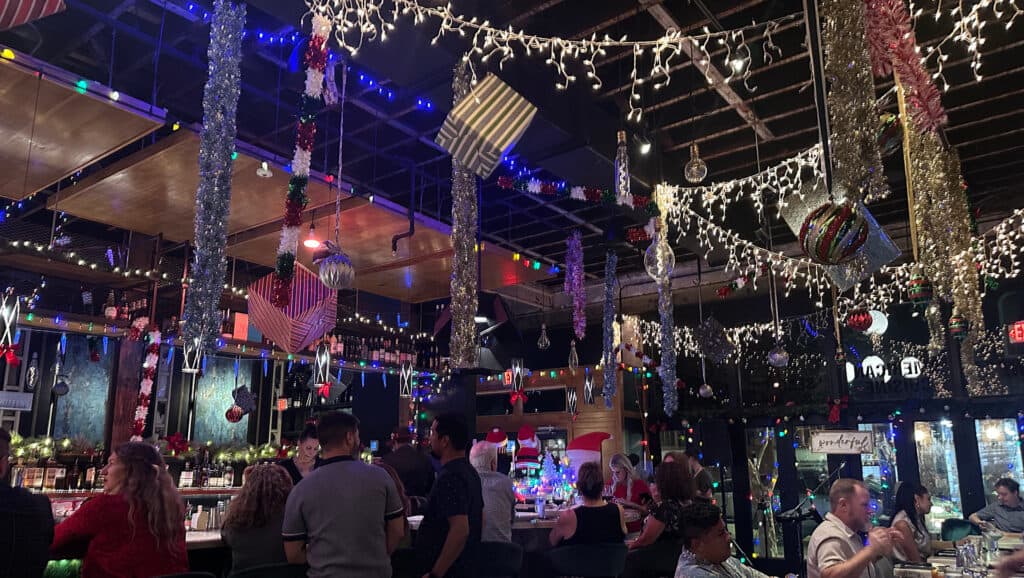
[155, 50]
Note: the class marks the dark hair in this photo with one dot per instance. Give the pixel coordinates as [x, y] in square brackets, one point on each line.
[674, 481]
[5, 440]
[590, 480]
[309, 433]
[334, 426]
[454, 427]
[692, 452]
[1009, 484]
[904, 502]
[148, 488]
[263, 496]
[634, 459]
[696, 518]
[842, 488]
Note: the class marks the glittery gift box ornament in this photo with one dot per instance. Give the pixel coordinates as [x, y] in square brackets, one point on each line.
[485, 125]
[310, 312]
[877, 252]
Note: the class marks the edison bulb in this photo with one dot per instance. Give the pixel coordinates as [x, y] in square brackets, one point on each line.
[695, 170]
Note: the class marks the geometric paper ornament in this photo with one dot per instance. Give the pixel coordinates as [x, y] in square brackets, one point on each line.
[310, 312]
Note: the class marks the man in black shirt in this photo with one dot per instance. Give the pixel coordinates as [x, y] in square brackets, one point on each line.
[413, 467]
[26, 524]
[701, 477]
[448, 539]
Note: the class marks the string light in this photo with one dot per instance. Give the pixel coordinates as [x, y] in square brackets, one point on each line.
[360, 21]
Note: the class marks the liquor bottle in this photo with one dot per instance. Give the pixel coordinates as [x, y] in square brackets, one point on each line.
[374, 351]
[89, 476]
[18, 474]
[363, 350]
[187, 476]
[188, 516]
[73, 481]
[100, 480]
[229, 477]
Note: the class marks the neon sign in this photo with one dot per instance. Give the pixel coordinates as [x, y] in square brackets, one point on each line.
[1015, 332]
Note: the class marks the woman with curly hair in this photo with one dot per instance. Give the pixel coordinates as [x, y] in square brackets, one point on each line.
[656, 551]
[252, 526]
[135, 529]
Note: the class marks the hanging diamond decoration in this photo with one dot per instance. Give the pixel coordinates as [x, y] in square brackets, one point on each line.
[193, 356]
[574, 360]
[543, 342]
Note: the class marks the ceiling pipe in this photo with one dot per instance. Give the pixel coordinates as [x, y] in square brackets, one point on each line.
[412, 214]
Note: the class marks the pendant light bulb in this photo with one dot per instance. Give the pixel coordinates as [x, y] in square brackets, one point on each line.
[311, 241]
[695, 170]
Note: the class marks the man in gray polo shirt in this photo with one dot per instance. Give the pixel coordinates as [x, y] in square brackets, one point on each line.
[837, 549]
[345, 518]
[1008, 513]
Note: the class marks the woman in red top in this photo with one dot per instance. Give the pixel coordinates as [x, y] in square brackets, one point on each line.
[628, 490]
[135, 528]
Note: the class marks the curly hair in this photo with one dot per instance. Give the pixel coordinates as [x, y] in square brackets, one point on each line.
[674, 481]
[263, 496]
[148, 487]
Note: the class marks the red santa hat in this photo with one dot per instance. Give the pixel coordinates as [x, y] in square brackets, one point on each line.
[529, 445]
[496, 436]
[586, 448]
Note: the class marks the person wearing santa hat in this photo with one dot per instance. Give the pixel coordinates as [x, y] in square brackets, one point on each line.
[529, 448]
[498, 492]
[586, 448]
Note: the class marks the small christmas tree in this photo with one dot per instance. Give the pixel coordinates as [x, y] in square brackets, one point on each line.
[548, 469]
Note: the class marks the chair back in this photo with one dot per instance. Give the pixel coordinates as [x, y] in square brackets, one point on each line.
[282, 570]
[188, 575]
[954, 529]
[589, 560]
[500, 559]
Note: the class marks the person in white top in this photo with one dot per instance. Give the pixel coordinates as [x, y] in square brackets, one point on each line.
[836, 549]
[913, 543]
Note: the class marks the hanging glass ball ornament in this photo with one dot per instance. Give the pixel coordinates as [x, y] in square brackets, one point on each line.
[859, 320]
[696, 170]
[705, 391]
[234, 414]
[543, 342]
[778, 357]
[336, 270]
[890, 134]
[879, 323]
[919, 290]
[833, 233]
[659, 259]
[958, 326]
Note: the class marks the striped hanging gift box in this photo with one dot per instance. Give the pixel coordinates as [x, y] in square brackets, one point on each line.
[17, 12]
[485, 125]
[310, 312]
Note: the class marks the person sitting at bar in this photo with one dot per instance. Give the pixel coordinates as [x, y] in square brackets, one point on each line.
[26, 524]
[406, 505]
[1007, 514]
[595, 521]
[707, 545]
[448, 540]
[837, 550]
[345, 518]
[252, 526]
[914, 543]
[498, 492]
[413, 467]
[627, 489]
[656, 551]
[305, 460]
[135, 528]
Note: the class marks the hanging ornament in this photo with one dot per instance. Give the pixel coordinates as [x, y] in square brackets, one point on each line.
[622, 176]
[574, 360]
[879, 323]
[958, 326]
[833, 233]
[778, 356]
[890, 134]
[193, 356]
[9, 309]
[322, 369]
[110, 307]
[573, 285]
[543, 342]
[706, 391]
[234, 414]
[659, 259]
[695, 170]
[859, 320]
[919, 290]
[336, 270]
[60, 389]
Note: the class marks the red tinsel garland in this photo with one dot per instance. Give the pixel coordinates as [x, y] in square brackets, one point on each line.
[893, 48]
[305, 135]
[149, 366]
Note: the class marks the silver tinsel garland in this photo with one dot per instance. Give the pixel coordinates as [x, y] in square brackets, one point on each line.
[464, 268]
[608, 335]
[213, 198]
[667, 369]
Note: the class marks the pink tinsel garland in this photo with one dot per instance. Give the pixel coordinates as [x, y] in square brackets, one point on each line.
[574, 283]
[893, 48]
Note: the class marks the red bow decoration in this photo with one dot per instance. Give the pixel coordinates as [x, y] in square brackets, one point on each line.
[516, 396]
[324, 390]
[835, 406]
[177, 444]
[10, 354]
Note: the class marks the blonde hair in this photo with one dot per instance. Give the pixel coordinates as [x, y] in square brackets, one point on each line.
[263, 496]
[621, 461]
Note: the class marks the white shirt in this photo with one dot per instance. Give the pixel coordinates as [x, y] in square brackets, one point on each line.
[833, 542]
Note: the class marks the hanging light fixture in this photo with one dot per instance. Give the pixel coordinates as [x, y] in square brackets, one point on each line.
[263, 171]
[311, 241]
[695, 170]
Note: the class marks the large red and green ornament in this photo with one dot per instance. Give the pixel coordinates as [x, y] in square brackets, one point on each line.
[958, 326]
[859, 320]
[919, 290]
[833, 233]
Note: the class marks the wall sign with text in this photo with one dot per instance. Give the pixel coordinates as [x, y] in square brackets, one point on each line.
[842, 442]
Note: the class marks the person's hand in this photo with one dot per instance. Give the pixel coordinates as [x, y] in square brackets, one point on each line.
[881, 540]
[1010, 564]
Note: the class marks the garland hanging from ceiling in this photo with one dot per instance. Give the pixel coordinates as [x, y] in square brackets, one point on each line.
[146, 385]
[574, 286]
[315, 60]
[213, 197]
[608, 328]
[464, 268]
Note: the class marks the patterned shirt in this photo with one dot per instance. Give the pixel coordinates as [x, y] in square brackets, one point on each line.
[668, 512]
[690, 566]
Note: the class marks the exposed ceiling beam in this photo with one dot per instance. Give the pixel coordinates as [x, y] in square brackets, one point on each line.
[669, 22]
